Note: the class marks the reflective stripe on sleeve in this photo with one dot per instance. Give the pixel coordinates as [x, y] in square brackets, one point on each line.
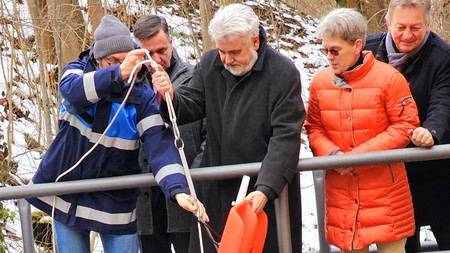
[78, 72]
[149, 122]
[168, 170]
[89, 87]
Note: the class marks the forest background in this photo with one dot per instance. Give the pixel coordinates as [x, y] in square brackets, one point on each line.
[39, 37]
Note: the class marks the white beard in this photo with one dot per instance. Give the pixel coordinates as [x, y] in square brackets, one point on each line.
[239, 69]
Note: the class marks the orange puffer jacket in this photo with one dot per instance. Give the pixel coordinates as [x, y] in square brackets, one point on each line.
[370, 109]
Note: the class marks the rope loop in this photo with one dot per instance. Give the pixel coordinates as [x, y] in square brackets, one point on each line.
[179, 143]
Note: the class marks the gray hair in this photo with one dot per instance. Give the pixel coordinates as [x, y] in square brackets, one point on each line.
[344, 22]
[148, 26]
[395, 4]
[234, 20]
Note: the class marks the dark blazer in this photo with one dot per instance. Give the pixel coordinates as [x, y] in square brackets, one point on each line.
[429, 76]
[193, 135]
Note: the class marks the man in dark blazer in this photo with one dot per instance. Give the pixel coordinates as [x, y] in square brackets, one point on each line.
[424, 59]
[160, 222]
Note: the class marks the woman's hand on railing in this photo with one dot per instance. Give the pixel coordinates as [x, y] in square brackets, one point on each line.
[344, 171]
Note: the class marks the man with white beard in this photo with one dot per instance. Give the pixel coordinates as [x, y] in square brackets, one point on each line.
[250, 96]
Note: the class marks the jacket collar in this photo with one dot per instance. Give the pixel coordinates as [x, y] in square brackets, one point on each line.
[261, 50]
[410, 65]
[173, 61]
[178, 70]
[361, 70]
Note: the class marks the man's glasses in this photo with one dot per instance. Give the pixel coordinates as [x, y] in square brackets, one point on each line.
[333, 52]
[112, 63]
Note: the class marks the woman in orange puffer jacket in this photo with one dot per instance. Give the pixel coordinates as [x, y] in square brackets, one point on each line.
[357, 105]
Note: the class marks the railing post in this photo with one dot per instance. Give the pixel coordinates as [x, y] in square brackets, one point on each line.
[26, 226]
[319, 178]
[283, 222]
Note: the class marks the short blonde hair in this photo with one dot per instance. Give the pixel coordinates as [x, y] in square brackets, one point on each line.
[346, 23]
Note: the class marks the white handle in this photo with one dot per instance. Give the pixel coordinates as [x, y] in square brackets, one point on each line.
[242, 190]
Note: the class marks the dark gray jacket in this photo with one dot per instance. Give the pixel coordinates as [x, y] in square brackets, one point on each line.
[193, 136]
[428, 74]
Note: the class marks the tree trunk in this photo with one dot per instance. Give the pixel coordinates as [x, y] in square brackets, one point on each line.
[440, 22]
[185, 12]
[205, 16]
[96, 12]
[42, 25]
[74, 34]
[351, 3]
[37, 7]
[121, 13]
[374, 11]
[316, 8]
[225, 2]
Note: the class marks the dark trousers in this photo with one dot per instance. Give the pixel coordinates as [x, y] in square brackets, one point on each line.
[431, 199]
[440, 231]
[160, 240]
[161, 243]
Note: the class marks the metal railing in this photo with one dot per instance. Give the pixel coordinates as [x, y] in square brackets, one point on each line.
[220, 172]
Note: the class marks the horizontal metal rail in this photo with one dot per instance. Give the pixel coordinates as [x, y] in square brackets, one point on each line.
[227, 172]
[224, 172]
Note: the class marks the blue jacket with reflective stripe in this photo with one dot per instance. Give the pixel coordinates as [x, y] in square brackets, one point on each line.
[91, 97]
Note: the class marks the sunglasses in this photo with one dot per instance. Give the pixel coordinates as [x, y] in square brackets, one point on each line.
[333, 52]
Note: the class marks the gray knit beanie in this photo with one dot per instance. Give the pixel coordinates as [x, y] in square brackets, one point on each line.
[111, 37]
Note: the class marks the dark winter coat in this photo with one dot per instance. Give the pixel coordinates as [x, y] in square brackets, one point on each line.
[429, 76]
[178, 219]
[253, 118]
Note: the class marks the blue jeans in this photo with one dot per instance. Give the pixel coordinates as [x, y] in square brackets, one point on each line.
[71, 240]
